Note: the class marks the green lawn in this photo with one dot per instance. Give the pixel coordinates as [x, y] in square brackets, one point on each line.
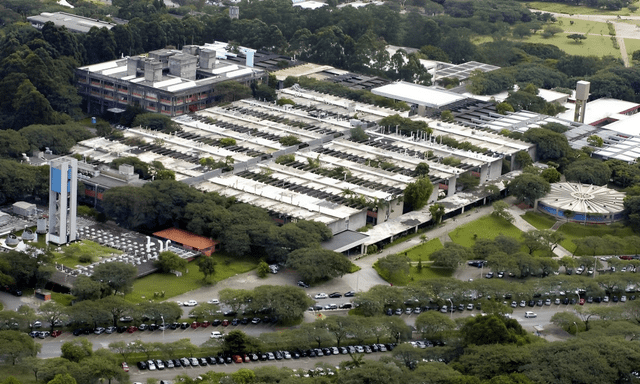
[69, 255]
[145, 287]
[575, 231]
[487, 227]
[592, 46]
[631, 45]
[426, 274]
[583, 26]
[539, 220]
[575, 10]
[423, 251]
[61, 298]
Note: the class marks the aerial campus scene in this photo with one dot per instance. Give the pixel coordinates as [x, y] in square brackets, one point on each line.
[319, 191]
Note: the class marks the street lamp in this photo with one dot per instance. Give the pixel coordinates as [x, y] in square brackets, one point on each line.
[578, 294]
[450, 309]
[162, 317]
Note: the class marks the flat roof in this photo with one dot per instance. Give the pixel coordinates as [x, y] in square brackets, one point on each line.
[344, 241]
[620, 148]
[417, 94]
[463, 71]
[628, 126]
[600, 109]
[71, 22]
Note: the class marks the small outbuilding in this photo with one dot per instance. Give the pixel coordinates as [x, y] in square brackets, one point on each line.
[5, 218]
[23, 208]
[189, 240]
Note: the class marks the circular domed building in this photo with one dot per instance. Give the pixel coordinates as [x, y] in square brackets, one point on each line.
[582, 203]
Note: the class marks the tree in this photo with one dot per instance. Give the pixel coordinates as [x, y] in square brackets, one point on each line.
[243, 376]
[77, 350]
[551, 175]
[85, 288]
[551, 30]
[238, 343]
[118, 276]
[422, 170]
[523, 159]
[504, 107]
[288, 303]
[588, 171]
[15, 345]
[500, 209]
[577, 37]
[263, 269]
[316, 264]
[527, 187]
[52, 312]
[468, 181]
[117, 306]
[289, 140]
[493, 329]
[451, 255]
[416, 194]
[394, 267]
[63, 378]
[437, 212]
[433, 324]
[169, 261]
[358, 134]
[447, 116]
[207, 266]
[595, 141]
[550, 145]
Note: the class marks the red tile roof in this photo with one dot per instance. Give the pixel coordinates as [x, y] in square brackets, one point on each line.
[186, 238]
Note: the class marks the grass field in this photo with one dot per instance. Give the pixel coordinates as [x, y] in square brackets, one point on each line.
[22, 373]
[426, 274]
[62, 298]
[539, 220]
[70, 254]
[575, 231]
[172, 285]
[575, 10]
[423, 251]
[592, 46]
[487, 227]
[583, 26]
[631, 45]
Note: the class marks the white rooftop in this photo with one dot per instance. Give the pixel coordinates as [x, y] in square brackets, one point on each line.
[582, 198]
[417, 94]
[309, 4]
[601, 109]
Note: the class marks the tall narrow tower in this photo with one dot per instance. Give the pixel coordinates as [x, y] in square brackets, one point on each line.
[582, 95]
[63, 188]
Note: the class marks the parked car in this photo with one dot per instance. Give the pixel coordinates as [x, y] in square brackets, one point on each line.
[214, 301]
[99, 331]
[125, 366]
[190, 303]
[321, 295]
[303, 284]
[350, 294]
[142, 365]
[335, 295]
[530, 314]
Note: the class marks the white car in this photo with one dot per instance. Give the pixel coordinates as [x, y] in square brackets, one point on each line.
[216, 335]
[530, 315]
[214, 301]
[623, 299]
[321, 295]
[190, 303]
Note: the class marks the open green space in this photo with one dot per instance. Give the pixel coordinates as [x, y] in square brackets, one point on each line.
[22, 373]
[423, 250]
[426, 273]
[575, 9]
[487, 227]
[172, 285]
[583, 26]
[575, 231]
[631, 45]
[592, 46]
[539, 220]
[83, 252]
[62, 298]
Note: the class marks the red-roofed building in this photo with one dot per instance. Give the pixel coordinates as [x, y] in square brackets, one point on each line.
[189, 240]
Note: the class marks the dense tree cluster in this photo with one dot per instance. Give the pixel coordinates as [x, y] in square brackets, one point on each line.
[242, 229]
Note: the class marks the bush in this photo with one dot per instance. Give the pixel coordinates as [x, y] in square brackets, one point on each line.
[284, 101]
[284, 159]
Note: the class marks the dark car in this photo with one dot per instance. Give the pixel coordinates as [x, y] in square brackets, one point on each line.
[278, 355]
[262, 356]
[565, 301]
[573, 301]
[142, 365]
[229, 313]
[174, 325]
[335, 295]
[220, 360]
[350, 294]
[184, 325]
[389, 312]
[311, 353]
[597, 299]
[615, 299]
[244, 321]
[216, 322]
[303, 284]
[235, 322]
[203, 361]
[76, 332]
[176, 363]
[121, 329]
